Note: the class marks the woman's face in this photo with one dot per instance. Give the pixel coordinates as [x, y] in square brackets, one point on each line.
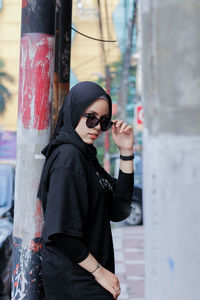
[99, 109]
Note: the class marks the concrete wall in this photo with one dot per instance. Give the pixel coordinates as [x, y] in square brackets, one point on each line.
[171, 93]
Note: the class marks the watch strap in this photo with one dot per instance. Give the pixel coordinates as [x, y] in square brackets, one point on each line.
[129, 157]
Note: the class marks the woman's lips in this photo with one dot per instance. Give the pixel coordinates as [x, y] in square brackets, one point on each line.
[93, 136]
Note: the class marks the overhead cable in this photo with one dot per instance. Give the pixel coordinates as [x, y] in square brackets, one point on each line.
[92, 38]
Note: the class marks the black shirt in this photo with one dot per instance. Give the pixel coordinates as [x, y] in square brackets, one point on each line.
[82, 199]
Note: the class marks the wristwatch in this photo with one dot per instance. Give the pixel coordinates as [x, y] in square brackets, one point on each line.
[130, 157]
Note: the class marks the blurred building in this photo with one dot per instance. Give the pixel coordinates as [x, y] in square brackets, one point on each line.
[10, 18]
[103, 20]
[87, 57]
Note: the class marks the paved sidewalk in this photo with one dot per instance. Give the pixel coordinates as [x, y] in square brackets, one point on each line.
[129, 257]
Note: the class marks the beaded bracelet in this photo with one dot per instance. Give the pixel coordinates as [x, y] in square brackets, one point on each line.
[98, 266]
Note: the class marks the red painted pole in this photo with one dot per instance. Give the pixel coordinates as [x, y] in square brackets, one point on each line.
[33, 133]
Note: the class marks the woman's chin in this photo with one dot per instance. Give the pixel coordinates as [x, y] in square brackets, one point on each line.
[88, 141]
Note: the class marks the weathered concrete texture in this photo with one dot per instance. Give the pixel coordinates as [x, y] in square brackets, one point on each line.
[171, 93]
[172, 217]
[171, 54]
[33, 133]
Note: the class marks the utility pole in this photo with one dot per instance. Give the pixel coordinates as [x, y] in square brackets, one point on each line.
[171, 80]
[33, 133]
[106, 161]
[62, 56]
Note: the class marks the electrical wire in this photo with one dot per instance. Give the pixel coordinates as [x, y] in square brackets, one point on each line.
[92, 38]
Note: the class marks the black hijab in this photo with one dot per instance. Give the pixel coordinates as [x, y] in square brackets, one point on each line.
[78, 99]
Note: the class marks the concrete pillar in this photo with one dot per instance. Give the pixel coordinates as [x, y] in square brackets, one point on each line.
[171, 93]
[33, 133]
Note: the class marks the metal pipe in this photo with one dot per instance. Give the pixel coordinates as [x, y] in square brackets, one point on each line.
[62, 56]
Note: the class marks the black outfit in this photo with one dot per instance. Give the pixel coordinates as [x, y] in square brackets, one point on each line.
[79, 199]
[73, 247]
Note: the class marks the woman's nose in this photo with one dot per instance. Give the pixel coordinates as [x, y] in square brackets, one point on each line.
[98, 126]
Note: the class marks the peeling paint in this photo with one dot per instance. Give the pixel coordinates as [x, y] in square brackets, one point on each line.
[38, 218]
[35, 246]
[36, 69]
[27, 271]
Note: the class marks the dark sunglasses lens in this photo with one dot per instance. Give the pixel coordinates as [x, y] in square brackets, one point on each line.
[91, 122]
[105, 124]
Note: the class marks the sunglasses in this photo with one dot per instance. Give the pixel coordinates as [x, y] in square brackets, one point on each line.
[93, 121]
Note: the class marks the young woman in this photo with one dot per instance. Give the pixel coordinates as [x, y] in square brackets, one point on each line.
[80, 199]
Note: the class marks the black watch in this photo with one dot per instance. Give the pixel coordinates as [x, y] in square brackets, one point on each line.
[130, 157]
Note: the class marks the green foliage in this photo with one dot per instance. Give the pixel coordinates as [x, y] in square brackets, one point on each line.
[5, 94]
[115, 84]
[116, 78]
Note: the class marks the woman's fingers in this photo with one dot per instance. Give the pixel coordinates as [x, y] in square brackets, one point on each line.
[128, 128]
[117, 123]
[109, 281]
[116, 292]
[116, 289]
[121, 126]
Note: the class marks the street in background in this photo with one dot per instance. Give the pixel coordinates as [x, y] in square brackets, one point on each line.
[6, 228]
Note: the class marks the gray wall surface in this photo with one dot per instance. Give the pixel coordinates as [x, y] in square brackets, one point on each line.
[171, 100]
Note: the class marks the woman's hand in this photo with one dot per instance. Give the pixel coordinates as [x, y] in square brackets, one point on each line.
[108, 281]
[105, 278]
[122, 135]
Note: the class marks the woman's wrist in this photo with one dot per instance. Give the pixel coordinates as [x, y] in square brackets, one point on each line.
[126, 160]
[126, 152]
[96, 268]
[98, 273]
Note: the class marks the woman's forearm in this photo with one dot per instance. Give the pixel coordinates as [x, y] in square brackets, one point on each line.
[126, 166]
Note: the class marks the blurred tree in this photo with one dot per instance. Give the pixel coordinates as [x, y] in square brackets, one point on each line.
[5, 94]
[115, 85]
[126, 63]
[116, 79]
